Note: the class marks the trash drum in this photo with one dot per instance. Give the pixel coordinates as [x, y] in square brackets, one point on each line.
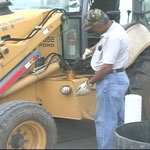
[134, 135]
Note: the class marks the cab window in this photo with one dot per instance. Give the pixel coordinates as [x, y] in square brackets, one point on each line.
[71, 38]
[146, 8]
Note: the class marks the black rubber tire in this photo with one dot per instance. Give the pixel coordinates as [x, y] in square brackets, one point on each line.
[16, 112]
[139, 75]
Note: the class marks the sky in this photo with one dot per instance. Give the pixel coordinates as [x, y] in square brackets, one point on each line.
[124, 6]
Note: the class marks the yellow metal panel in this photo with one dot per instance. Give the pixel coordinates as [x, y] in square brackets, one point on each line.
[20, 23]
[10, 60]
[51, 44]
[68, 106]
[47, 93]
[28, 93]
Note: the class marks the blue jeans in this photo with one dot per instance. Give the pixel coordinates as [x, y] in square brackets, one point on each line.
[110, 93]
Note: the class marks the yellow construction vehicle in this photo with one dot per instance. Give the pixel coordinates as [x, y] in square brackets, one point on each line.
[41, 44]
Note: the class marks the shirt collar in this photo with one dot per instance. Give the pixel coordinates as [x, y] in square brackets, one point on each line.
[110, 29]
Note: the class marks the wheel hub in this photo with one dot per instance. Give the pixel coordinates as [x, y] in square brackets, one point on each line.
[28, 135]
[17, 141]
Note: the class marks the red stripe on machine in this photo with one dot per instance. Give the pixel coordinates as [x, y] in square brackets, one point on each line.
[12, 80]
[16, 76]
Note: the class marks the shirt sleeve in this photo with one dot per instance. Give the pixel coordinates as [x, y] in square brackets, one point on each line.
[111, 50]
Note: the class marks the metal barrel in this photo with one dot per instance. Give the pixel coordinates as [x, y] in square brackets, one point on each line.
[135, 135]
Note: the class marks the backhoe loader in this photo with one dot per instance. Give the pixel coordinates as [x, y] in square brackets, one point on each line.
[41, 66]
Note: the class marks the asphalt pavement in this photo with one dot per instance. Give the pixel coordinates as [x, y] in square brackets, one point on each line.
[75, 134]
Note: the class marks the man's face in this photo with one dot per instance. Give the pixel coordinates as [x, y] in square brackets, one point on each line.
[99, 29]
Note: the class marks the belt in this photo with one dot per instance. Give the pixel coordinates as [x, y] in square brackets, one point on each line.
[117, 70]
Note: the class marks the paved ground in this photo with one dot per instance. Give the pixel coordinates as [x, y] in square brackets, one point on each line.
[75, 134]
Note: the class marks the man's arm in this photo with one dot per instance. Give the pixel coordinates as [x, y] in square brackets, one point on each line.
[104, 70]
[93, 48]
[88, 51]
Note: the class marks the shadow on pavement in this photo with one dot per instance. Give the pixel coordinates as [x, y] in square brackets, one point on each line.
[75, 134]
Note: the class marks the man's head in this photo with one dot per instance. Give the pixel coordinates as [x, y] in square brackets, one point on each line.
[95, 18]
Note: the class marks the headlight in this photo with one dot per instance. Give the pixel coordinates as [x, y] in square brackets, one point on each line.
[66, 89]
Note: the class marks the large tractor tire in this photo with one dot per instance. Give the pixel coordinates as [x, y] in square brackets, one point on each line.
[26, 125]
[139, 75]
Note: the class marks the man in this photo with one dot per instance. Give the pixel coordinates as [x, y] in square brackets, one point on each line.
[108, 61]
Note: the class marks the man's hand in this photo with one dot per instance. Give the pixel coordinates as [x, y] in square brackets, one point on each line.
[83, 89]
[86, 53]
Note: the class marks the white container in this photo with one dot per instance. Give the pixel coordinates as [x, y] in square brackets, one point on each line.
[133, 108]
